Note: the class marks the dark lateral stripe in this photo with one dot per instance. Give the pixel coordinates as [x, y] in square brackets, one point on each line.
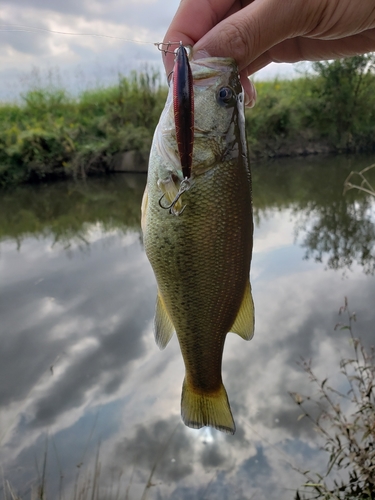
[183, 105]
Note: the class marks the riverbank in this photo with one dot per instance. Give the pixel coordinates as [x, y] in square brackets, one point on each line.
[52, 134]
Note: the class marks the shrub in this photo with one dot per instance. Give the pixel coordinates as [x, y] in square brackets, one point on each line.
[346, 423]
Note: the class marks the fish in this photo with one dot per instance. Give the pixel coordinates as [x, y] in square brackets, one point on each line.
[198, 236]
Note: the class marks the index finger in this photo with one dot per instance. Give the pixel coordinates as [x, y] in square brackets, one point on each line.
[192, 20]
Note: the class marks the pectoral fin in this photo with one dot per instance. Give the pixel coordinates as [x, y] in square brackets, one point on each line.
[244, 323]
[163, 325]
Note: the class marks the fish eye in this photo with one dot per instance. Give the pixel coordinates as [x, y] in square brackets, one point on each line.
[225, 95]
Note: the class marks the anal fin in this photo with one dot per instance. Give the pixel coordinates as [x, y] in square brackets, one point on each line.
[244, 323]
[163, 325]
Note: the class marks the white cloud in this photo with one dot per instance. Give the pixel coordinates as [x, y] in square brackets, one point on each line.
[274, 230]
[25, 45]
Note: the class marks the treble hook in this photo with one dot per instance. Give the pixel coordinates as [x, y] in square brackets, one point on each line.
[166, 51]
[184, 186]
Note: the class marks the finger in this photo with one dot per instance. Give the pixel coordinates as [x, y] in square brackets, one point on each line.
[307, 49]
[249, 33]
[192, 20]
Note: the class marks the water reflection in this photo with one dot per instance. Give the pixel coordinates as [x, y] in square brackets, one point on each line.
[339, 230]
[79, 368]
[68, 211]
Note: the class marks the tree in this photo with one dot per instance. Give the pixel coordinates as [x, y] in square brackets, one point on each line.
[343, 89]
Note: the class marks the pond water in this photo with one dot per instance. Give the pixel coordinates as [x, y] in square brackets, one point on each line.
[86, 398]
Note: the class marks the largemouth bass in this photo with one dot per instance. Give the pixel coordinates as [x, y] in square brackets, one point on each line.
[198, 237]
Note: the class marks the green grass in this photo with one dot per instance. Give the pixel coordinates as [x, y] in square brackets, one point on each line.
[53, 134]
[298, 117]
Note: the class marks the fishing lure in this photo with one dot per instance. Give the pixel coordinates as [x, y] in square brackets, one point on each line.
[183, 110]
[183, 106]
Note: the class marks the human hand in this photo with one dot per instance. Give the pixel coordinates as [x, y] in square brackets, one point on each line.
[258, 32]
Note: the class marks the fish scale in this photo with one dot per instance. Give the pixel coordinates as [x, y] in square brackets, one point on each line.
[201, 258]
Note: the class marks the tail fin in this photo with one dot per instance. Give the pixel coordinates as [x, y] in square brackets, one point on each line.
[199, 409]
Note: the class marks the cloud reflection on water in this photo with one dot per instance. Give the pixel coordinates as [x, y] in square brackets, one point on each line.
[87, 313]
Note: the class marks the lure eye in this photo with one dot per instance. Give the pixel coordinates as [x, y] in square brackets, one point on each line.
[225, 95]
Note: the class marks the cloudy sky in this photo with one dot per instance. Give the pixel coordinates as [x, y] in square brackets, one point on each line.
[31, 54]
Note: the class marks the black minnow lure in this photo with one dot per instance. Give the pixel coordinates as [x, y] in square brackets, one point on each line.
[183, 106]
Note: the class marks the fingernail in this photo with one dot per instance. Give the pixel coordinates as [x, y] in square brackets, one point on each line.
[250, 101]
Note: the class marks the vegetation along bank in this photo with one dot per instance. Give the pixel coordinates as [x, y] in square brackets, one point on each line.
[52, 134]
